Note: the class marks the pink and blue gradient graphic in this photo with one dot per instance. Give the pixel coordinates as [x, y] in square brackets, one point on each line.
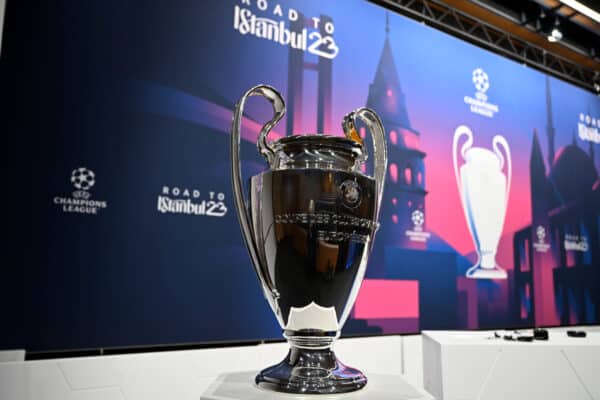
[416, 271]
[144, 99]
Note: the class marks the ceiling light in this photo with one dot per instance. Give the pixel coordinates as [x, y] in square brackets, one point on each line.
[580, 8]
[555, 35]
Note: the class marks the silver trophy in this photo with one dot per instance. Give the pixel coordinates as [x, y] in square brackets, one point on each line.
[309, 223]
[484, 190]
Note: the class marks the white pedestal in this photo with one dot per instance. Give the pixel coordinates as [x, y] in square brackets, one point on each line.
[470, 365]
[240, 386]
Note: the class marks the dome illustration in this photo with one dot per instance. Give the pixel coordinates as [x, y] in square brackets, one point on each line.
[573, 174]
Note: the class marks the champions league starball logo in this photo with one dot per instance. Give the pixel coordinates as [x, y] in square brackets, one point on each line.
[82, 179]
[541, 233]
[350, 193]
[417, 233]
[479, 104]
[418, 218]
[481, 80]
[541, 246]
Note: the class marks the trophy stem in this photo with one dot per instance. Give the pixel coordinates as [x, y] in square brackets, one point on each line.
[310, 339]
[311, 367]
[488, 260]
[486, 268]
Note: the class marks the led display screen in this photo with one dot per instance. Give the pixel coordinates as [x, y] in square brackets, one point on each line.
[125, 228]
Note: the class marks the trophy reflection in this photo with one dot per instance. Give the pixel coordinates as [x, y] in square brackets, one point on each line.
[484, 190]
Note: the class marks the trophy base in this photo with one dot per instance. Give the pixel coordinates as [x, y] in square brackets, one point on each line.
[478, 272]
[311, 371]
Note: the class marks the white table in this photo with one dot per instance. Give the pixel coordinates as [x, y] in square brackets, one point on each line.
[474, 365]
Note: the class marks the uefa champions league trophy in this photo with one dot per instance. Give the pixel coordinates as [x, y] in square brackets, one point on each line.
[309, 224]
[484, 192]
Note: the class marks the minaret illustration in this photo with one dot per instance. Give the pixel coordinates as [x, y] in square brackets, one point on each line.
[403, 207]
[549, 124]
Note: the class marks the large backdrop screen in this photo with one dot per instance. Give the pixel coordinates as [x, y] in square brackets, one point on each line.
[126, 227]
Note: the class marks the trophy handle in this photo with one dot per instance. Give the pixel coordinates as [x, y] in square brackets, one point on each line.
[462, 130]
[278, 104]
[236, 168]
[373, 122]
[500, 140]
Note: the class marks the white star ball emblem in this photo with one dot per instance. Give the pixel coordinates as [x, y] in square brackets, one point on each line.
[481, 80]
[83, 178]
[541, 233]
[418, 218]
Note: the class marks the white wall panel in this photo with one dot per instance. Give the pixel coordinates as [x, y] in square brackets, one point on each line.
[412, 352]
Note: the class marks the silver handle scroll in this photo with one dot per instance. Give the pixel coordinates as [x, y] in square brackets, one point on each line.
[236, 168]
[373, 122]
[462, 130]
[500, 140]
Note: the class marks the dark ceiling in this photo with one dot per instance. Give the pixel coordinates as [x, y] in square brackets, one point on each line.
[518, 29]
[579, 32]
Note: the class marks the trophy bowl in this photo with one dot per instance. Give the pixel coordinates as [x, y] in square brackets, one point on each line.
[309, 222]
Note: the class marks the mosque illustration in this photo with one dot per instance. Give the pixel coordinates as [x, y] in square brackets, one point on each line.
[557, 257]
